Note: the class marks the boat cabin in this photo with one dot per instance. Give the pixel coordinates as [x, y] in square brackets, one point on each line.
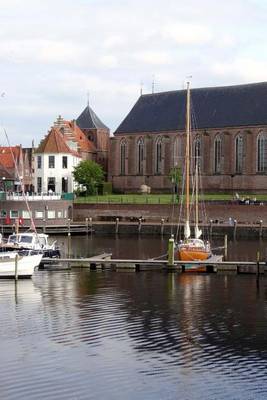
[29, 240]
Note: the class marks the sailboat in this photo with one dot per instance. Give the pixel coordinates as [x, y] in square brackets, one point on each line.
[191, 248]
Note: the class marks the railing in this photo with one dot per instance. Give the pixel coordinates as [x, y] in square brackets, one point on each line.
[32, 197]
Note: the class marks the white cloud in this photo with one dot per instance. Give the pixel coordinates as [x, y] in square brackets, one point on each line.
[187, 34]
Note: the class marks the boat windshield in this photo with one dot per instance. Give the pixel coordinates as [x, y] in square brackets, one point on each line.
[25, 239]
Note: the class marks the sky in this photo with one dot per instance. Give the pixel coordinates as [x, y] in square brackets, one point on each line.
[53, 53]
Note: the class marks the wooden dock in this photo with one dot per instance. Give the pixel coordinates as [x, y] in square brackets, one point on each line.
[105, 262]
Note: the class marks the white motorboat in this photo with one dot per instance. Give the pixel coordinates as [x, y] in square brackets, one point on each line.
[25, 264]
[31, 241]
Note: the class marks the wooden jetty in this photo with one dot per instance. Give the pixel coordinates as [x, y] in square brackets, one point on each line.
[104, 261]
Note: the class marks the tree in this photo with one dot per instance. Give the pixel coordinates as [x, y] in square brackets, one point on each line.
[89, 174]
[175, 176]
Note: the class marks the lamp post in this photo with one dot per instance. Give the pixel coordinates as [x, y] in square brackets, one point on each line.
[4, 183]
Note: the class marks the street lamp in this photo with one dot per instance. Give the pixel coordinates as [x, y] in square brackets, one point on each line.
[4, 184]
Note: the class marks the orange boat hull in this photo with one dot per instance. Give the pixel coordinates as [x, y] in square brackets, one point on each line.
[192, 254]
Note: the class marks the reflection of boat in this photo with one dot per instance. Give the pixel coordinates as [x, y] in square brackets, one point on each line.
[25, 264]
[31, 241]
[191, 249]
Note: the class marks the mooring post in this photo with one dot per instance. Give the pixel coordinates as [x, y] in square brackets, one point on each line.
[235, 226]
[16, 267]
[69, 238]
[258, 268]
[211, 227]
[91, 225]
[139, 225]
[44, 222]
[225, 248]
[260, 232]
[117, 225]
[87, 225]
[171, 252]
[162, 227]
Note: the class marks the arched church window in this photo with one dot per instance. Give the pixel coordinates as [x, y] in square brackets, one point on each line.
[140, 156]
[262, 152]
[218, 155]
[123, 157]
[159, 156]
[197, 151]
[176, 152]
[239, 153]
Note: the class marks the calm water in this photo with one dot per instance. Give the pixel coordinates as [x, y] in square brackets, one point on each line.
[107, 335]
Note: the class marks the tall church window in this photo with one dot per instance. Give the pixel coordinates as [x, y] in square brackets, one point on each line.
[140, 156]
[197, 151]
[262, 152]
[159, 156]
[123, 157]
[239, 152]
[218, 155]
[176, 152]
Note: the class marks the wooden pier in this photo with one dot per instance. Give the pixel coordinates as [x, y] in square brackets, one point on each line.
[105, 262]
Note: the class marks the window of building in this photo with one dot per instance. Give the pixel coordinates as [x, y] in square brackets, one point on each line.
[64, 162]
[159, 156]
[239, 152]
[39, 184]
[51, 214]
[14, 214]
[218, 155]
[197, 151]
[26, 214]
[140, 156]
[39, 162]
[51, 184]
[176, 152]
[64, 185]
[39, 214]
[3, 214]
[123, 157]
[262, 152]
[59, 214]
[51, 161]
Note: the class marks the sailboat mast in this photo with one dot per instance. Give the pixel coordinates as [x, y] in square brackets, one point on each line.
[187, 153]
[196, 205]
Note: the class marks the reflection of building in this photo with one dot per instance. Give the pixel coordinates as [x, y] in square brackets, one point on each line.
[229, 138]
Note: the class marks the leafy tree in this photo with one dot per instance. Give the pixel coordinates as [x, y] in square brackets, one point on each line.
[90, 175]
[175, 176]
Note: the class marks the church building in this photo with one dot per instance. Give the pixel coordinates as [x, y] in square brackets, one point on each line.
[229, 137]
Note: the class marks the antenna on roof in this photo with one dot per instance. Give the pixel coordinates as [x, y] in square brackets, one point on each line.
[88, 98]
[141, 88]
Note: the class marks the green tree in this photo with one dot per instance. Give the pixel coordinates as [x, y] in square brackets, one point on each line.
[89, 174]
[175, 176]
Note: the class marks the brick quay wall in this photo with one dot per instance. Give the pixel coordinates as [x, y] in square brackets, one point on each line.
[217, 211]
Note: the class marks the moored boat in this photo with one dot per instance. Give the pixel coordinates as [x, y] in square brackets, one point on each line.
[191, 249]
[13, 264]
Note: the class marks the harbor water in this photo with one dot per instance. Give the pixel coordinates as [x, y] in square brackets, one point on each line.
[84, 334]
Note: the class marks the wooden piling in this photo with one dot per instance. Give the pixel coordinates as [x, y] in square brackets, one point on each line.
[117, 226]
[171, 252]
[258, 269]
[16, 267]
[91, 225]
[139, 225]
[211, 227]
[235, 226]
[225, 248]
[260, 231]
[87, 225]
[162, 227]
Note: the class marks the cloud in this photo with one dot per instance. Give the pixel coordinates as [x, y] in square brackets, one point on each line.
[187, 34]
[242, 69]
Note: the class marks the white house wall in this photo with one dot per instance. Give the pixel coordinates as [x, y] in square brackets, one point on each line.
[58, 172]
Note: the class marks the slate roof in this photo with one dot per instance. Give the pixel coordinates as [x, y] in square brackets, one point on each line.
[212, 107]
[89, 120]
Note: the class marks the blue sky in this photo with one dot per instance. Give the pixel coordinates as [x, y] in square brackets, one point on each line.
[53, 52]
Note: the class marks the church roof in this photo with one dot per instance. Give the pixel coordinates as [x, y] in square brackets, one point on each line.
[89, 120]
[212, 107]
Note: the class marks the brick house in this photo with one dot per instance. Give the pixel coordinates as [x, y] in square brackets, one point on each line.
[229, 135]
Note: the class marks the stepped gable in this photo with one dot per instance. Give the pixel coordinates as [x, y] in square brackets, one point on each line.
[83, 143]
[212, 107]
[89, 120]
[55, 142]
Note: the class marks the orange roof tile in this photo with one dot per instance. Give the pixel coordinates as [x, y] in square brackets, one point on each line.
[55, 142]
[6, 157]
[83, 142]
